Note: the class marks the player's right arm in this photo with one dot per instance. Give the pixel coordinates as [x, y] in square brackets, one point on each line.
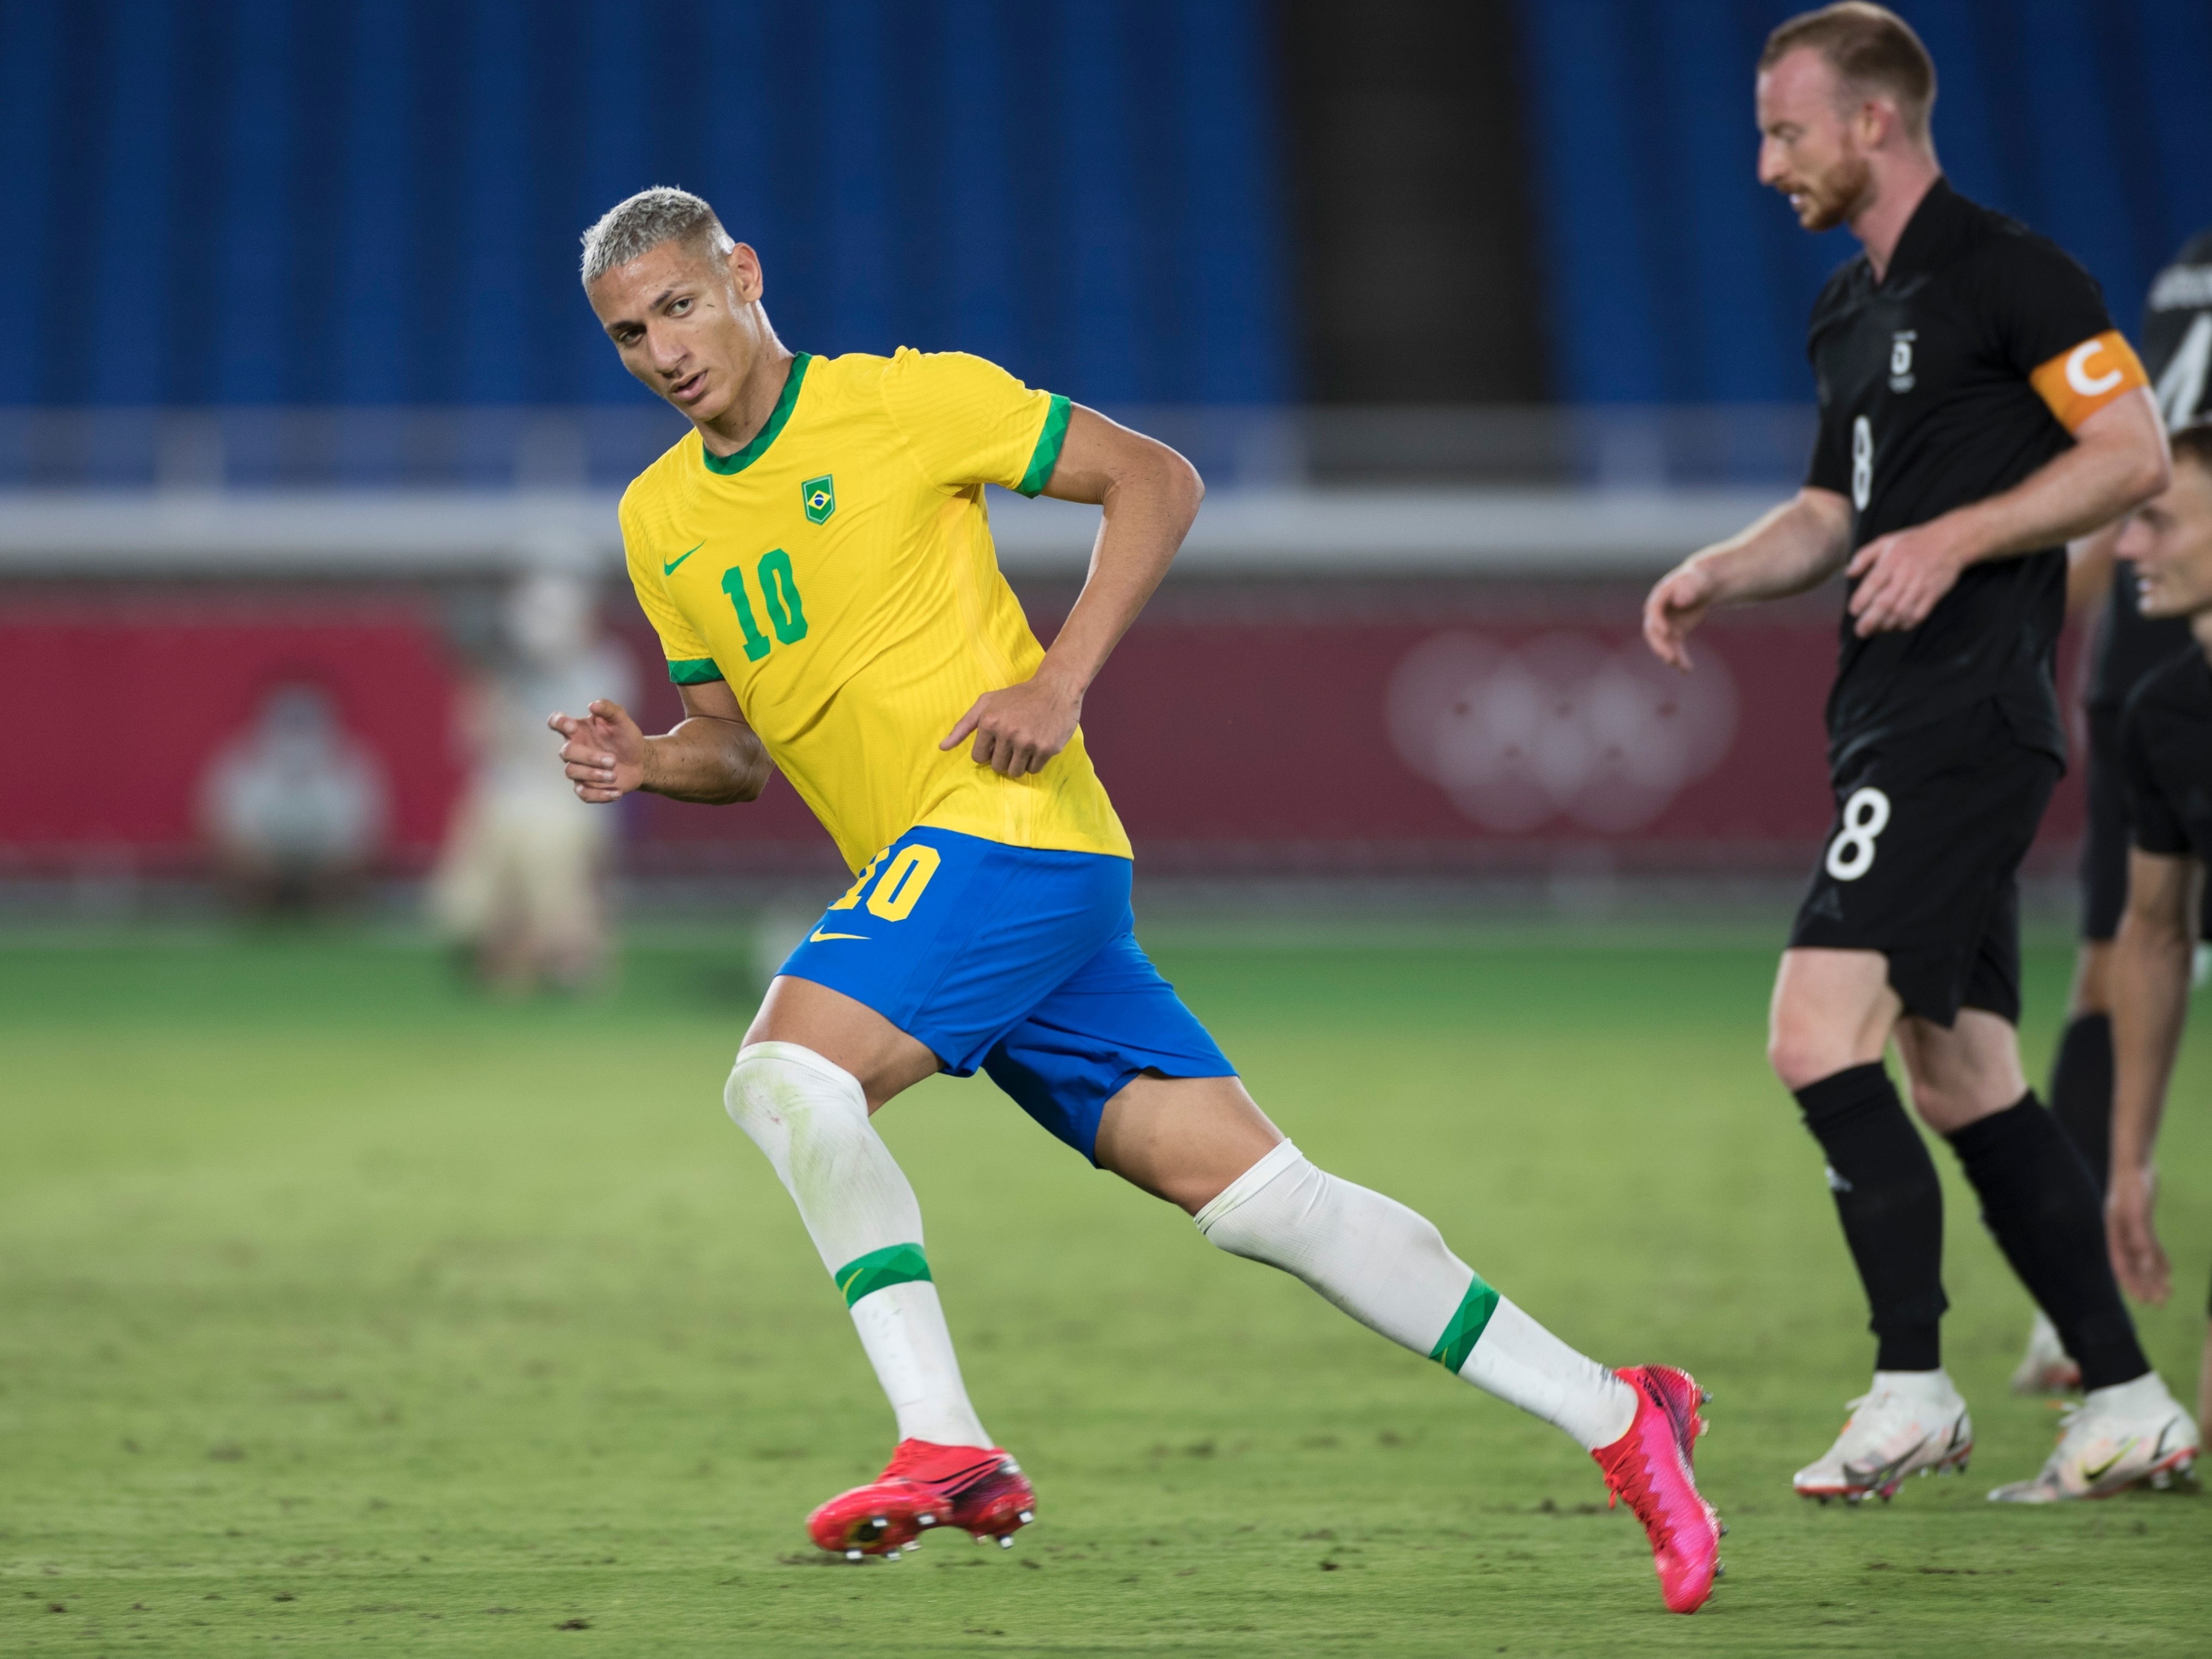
[1799, 544]
[711, 755]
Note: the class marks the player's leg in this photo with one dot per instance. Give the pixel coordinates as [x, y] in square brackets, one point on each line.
[2040, 1204]
[944, 941]
[1115, 1065]
[2082, 1101]
[1203, 1145]
[1829, 1023]
[814, 1066]
[2037, 1196]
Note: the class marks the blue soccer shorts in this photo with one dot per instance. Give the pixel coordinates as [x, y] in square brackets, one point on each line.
[1020, 962]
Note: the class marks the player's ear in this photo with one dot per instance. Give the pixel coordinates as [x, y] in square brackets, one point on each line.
[744, 268]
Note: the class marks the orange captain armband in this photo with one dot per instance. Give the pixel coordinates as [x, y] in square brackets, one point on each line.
[2077, 383]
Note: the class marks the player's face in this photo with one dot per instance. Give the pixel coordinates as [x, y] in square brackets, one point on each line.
[2169, 540]
[685, 321]
[1806, 148]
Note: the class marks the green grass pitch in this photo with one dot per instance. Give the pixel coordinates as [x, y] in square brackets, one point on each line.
[341, 1313]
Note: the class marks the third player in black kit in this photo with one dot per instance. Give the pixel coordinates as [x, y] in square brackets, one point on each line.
[1978, 410]
[2164, 755]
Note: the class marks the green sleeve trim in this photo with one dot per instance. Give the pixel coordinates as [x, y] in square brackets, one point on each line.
[1465, 1328]
[752, 452]
[1046, 456]
[694, 670]
[878, 1270]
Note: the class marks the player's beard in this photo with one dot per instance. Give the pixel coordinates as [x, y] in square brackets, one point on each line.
[1825, 202]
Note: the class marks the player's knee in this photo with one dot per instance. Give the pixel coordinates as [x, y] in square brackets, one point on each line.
[1800, 1056]
[1250, 1215]
[773, 1082]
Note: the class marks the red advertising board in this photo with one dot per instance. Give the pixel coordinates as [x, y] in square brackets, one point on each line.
[1324, 726]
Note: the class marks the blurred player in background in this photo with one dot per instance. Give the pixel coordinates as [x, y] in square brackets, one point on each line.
[521, 881]
[817, 561]
[2177, 337]
[1976, 411]
[2165, 755]
[293, 807]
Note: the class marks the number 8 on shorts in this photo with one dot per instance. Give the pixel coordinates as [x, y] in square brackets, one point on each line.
[1866, 814]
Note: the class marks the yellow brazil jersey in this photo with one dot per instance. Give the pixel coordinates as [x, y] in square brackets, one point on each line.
[838, 571]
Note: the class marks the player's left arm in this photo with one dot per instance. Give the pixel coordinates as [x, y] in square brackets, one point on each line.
[1149, 495]
[2118, 461]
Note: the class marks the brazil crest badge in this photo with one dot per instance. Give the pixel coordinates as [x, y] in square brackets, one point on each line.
[819, 496]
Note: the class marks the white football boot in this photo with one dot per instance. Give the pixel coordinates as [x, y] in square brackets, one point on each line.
[1909, 1423]
[2114, 1439]
[2047, 1367]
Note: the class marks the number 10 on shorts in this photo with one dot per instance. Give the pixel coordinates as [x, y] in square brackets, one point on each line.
[1866, 815]
[901, 886]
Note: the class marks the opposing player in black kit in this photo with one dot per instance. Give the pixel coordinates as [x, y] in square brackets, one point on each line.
[2164, 751]
[2176, 346]
[1976, 411]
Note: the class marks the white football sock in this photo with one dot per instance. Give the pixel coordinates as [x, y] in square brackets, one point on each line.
[1391, 1270]
[812, 1119]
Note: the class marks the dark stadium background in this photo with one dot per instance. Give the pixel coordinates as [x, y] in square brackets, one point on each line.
[1471, 311]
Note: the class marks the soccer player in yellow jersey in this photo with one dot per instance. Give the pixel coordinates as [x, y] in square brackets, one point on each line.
[817, 558]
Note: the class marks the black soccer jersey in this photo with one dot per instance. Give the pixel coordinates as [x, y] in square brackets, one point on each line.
[2177, 351]
[2166, 752]
[1927, 404]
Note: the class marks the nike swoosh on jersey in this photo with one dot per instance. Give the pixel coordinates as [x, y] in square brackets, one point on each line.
[2108, 1465]
[669, 569]
[812, 937]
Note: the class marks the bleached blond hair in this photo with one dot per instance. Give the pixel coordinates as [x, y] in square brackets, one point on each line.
[644, 220]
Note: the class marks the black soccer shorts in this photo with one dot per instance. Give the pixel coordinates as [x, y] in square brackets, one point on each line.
[1922, 861]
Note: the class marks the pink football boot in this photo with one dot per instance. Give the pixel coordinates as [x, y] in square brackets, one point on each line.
[982, 1491]
[1649, 1466]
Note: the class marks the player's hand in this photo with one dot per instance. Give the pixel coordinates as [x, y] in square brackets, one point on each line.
[605, 753]
[1902, 575]
[1018, 729]
[2138, 1258]
[1675, 606]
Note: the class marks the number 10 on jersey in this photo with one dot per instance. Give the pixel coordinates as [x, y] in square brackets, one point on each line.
[780, 590]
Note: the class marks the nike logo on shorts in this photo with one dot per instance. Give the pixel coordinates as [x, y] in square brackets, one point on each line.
[818, 935]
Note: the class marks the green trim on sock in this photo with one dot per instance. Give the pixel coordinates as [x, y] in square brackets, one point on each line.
[901, 1264]
[1466, 1326]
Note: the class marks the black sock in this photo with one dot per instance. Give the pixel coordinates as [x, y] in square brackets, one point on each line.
[1892, 1206]
[2039, 1202]
[2081, 1090]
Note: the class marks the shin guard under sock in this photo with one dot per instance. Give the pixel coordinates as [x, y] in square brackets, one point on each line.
[2081, 1090]
[1892, 1206]
[2038, 1203]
